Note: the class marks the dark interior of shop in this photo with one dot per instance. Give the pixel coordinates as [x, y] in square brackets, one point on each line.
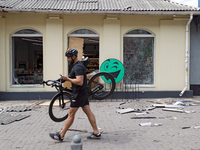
[27, 60]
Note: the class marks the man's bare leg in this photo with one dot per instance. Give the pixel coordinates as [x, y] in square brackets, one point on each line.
[91, 118]
[69, 121]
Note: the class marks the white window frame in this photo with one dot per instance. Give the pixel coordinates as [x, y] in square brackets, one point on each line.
[12, 49]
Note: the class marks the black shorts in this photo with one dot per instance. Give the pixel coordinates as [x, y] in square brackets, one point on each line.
[80, 99]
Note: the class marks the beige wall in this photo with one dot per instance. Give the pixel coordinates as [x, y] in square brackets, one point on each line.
[172, 54]
[15, 22]
[169, 54]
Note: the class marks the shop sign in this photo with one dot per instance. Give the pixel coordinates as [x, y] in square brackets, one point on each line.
[114, 67]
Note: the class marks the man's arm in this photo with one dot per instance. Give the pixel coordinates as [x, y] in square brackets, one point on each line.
[78, 80]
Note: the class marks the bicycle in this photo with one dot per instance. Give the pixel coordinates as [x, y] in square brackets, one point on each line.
[100, 86]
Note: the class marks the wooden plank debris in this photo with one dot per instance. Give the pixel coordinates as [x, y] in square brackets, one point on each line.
[143, 117]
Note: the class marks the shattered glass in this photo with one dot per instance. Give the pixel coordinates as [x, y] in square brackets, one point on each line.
[138, 60]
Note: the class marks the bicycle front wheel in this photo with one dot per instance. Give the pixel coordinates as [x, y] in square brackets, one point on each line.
[59, 107]
[101, 85]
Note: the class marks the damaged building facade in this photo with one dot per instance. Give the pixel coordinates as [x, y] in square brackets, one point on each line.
[149, 37]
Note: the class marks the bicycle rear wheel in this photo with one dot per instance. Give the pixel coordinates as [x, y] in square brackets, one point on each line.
[58, 109]
[101, 85]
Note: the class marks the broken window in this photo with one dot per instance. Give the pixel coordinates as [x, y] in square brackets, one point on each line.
[138, 58]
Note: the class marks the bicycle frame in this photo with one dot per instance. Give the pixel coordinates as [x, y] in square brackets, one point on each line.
[96, 89]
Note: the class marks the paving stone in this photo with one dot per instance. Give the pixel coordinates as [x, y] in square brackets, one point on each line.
[122, 131]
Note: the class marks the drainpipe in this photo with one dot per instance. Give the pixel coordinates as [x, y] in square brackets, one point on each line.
[186, 57]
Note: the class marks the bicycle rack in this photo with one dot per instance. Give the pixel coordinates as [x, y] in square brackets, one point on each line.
[125, 93]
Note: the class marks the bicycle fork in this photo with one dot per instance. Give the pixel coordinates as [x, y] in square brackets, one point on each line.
[61, 99]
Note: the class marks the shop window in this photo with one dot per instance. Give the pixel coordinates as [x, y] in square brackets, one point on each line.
[138, 56]
[27, 57]
[87, 43]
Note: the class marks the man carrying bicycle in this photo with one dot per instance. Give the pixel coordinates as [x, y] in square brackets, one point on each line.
[79, 97]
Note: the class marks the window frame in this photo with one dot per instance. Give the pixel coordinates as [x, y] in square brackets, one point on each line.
[142, 35]
[12, 60]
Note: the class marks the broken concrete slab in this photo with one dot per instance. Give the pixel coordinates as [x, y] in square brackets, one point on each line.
[195, 127]
[137, 105]
[20, 108]
[146, 124]
[173, 110]
[6, 118]
[177, 110]
[123, 111]
[157, 124]
[142, 113]
[167, 106]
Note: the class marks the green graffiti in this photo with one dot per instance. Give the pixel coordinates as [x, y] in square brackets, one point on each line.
[114, 67]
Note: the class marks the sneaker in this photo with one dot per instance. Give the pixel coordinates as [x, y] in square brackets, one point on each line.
[56, 136]
[94, 136]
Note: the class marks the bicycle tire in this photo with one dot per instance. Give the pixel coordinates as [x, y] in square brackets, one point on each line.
[104, 80]
[57, 112]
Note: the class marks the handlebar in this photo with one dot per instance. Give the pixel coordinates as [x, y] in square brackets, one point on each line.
[53, 83]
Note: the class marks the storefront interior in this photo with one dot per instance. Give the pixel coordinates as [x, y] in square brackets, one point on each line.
[27, 60]
[91, 50]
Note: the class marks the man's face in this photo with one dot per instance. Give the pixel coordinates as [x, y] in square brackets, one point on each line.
[70, 60]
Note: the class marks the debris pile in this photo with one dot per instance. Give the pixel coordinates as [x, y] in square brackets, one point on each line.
[7, 116]
[134, 106]
[20, 108]
[141, 107]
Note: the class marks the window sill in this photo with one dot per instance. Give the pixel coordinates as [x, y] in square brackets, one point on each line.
[27, 85]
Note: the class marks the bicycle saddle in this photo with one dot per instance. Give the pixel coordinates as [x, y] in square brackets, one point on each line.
[85, 61]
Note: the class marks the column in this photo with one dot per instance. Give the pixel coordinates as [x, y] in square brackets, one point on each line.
[53, 50]
[111, 38]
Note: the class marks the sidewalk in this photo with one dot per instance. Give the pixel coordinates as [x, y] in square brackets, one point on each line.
[120, 132]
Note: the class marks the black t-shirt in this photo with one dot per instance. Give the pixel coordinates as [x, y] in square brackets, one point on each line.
[77, 70]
